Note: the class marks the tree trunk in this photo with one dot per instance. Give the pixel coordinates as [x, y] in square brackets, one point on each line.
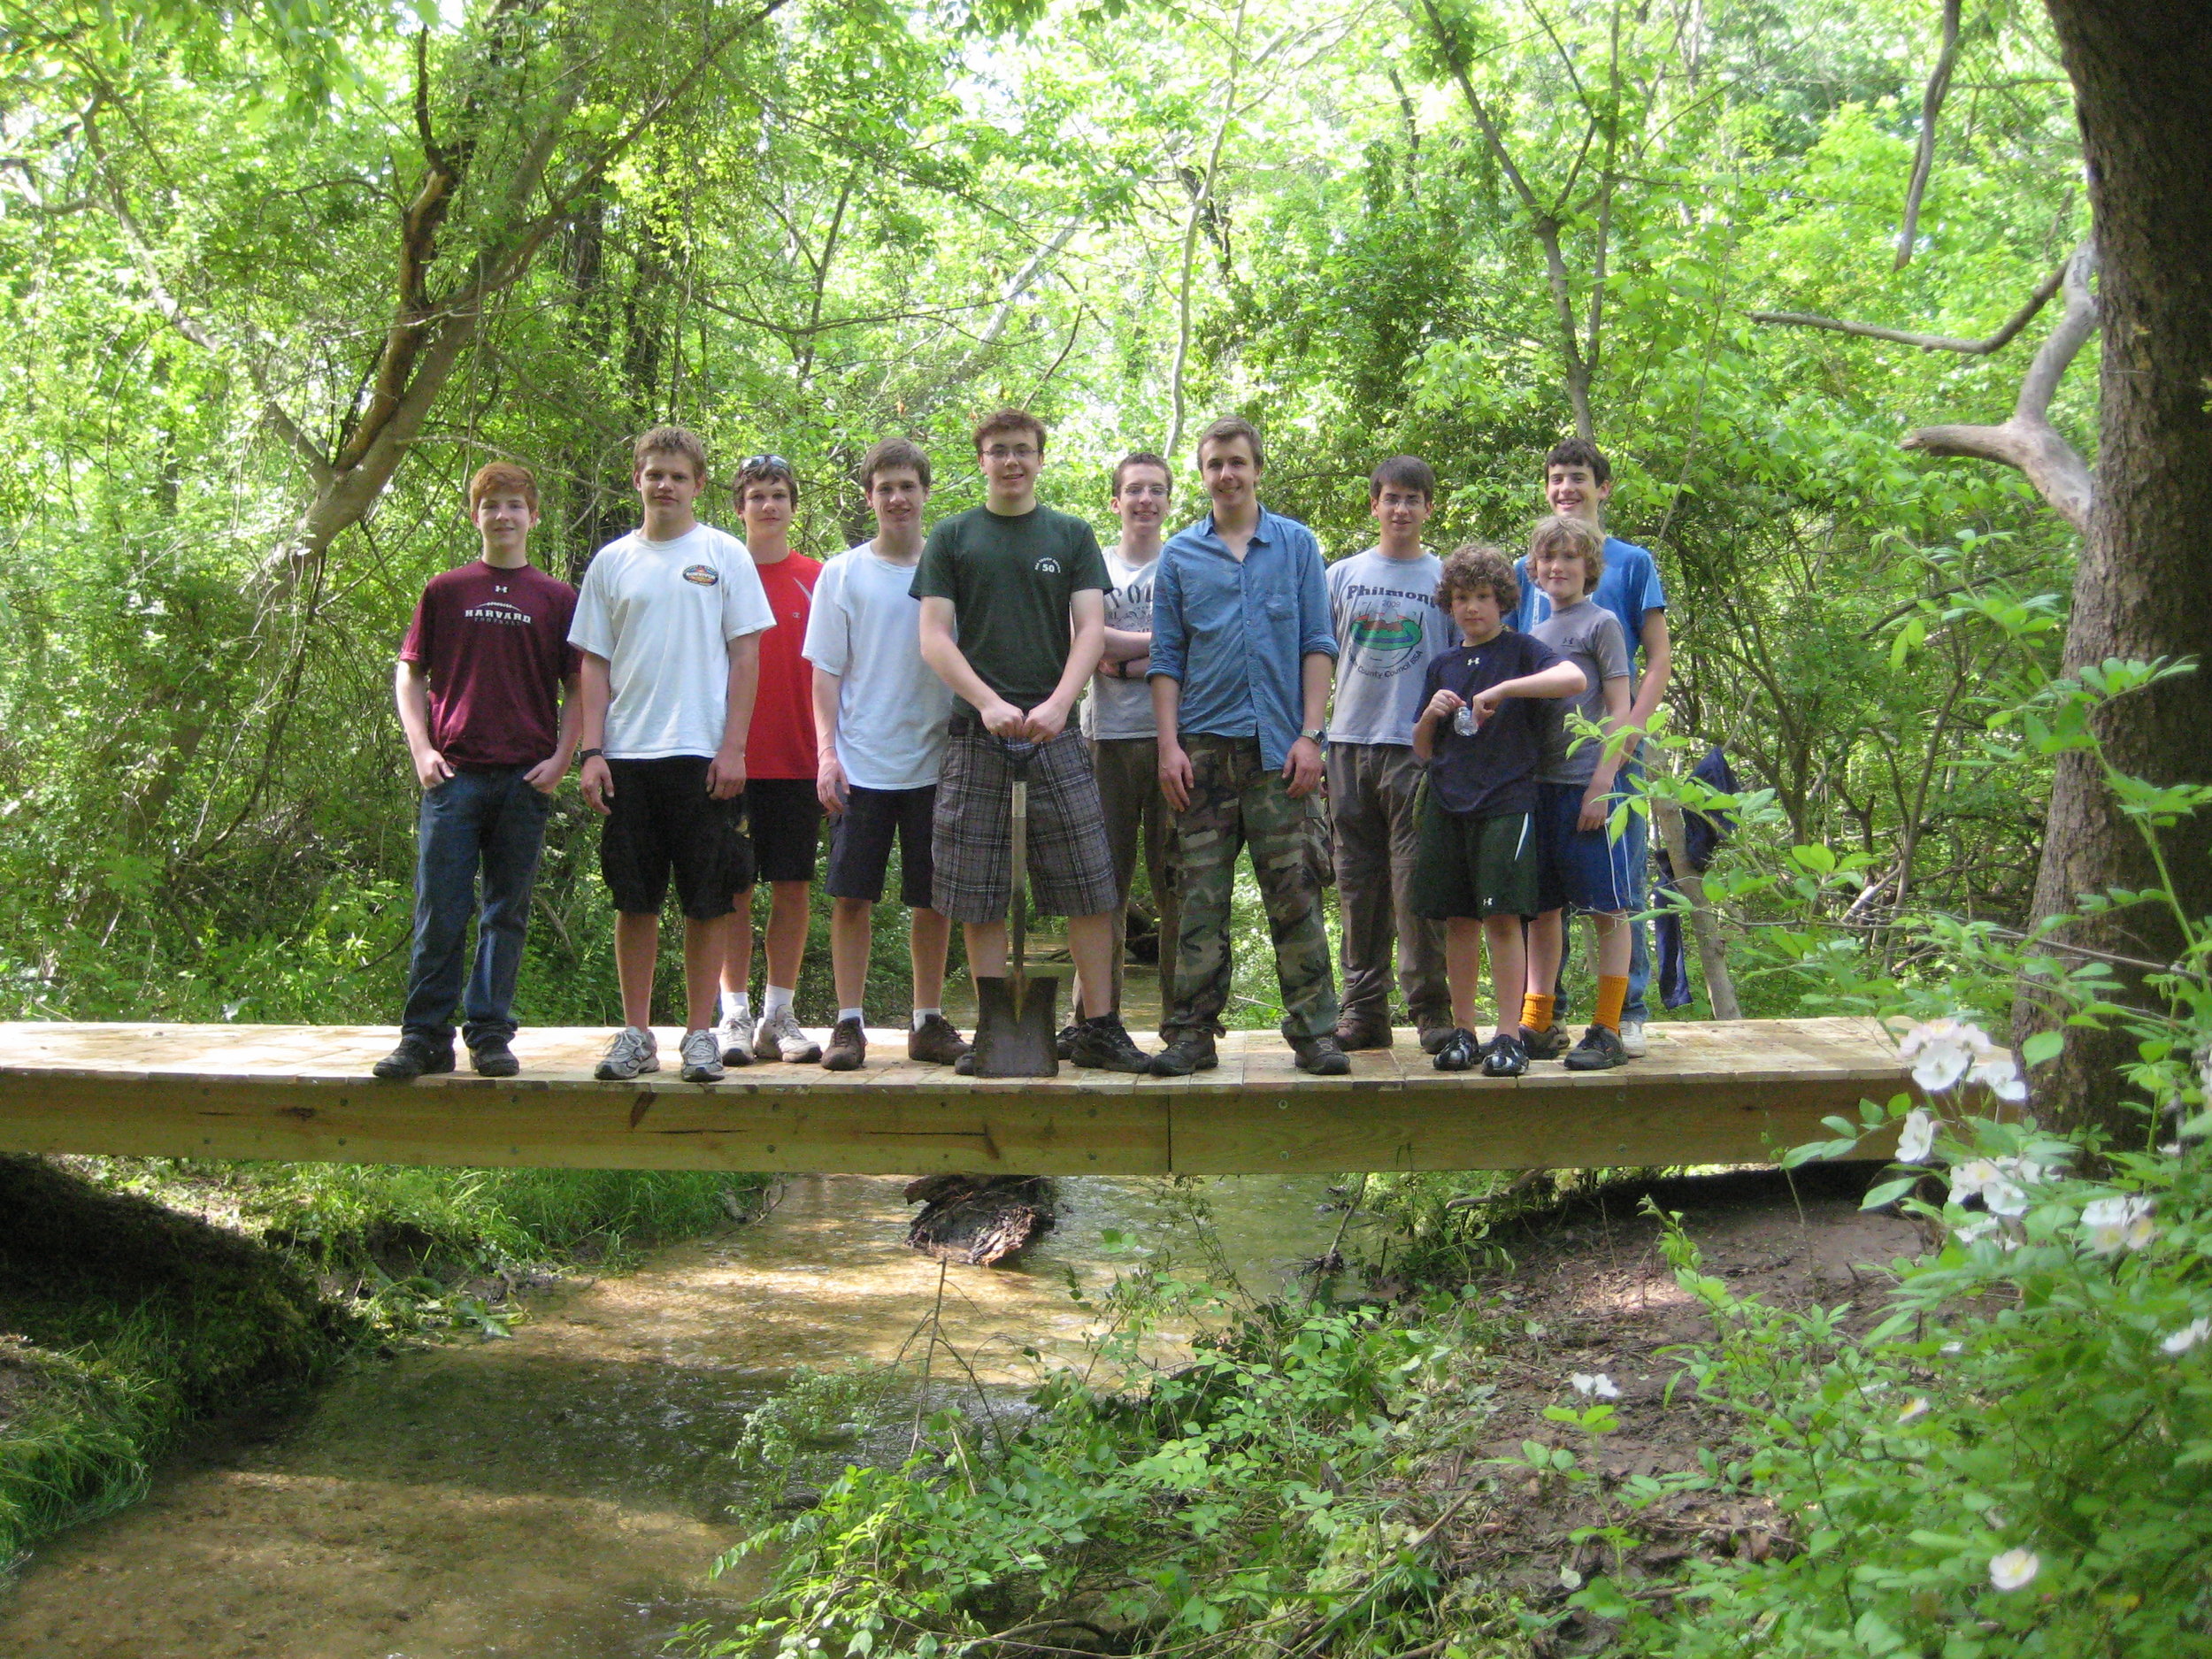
[2142, 75]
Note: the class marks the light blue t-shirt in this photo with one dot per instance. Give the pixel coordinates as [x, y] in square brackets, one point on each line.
[1630, 586]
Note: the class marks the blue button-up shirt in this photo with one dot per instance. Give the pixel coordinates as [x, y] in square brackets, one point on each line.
[1235, 632]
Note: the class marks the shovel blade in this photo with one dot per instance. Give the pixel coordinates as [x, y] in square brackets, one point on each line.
[1016, 1042]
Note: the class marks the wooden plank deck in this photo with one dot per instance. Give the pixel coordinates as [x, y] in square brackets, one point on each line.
[1708, 1093]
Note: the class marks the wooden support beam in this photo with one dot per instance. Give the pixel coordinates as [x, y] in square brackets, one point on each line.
[1733, 1092]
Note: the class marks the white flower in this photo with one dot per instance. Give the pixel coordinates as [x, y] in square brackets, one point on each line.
[2003, 1198]
[2000, 1076]
[2182, 1340]
[1952, 1347]
[1917, 1139]
[1915, 1409]
[2014, 1569]
[1974, 1228]
[2118, 1224]
[1971, 1177]
[1940, 1064]
[2027, 1172]
[1598, 1384]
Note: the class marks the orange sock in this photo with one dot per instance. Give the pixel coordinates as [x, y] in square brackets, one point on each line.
[1612, 993]
[1535, 1011]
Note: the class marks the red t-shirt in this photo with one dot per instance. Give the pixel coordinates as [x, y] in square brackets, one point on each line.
[781, 743]
[496, 645]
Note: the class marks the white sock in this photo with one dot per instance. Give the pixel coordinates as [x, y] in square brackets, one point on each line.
[737, 1004]
[922, 1014]
[844, 1014]
[777, 998]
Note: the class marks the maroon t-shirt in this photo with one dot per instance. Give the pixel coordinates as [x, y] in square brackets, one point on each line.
[495, 643]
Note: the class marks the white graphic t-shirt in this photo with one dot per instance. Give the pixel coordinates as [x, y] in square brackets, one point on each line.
[1123, 708]
[892, 709]
[662, 614]
[1388, 625]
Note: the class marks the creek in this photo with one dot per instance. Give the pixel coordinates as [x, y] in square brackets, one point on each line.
[561, 1494]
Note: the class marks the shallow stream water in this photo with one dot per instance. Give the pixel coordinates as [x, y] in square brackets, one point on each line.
[562, 1494]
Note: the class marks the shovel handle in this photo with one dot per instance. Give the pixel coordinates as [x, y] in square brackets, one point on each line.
[1018, 755]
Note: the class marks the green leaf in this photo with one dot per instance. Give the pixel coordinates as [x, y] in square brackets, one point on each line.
[2042, 1046]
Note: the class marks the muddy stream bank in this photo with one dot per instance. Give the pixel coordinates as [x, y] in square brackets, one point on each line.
[561, 1494]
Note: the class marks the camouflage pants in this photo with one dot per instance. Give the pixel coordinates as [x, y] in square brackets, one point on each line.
[1237, 801]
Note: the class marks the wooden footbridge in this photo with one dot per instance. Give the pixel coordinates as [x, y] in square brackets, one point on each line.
[1735, 1093]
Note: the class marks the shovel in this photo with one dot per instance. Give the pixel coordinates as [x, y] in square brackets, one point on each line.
[1016, 1023]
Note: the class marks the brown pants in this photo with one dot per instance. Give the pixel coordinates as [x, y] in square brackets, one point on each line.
[1373, 788]
[1139, 820]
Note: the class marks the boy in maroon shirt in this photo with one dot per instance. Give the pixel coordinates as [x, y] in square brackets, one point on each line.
[487, 691]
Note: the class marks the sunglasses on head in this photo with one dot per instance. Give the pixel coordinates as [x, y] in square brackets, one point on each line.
[764, 463]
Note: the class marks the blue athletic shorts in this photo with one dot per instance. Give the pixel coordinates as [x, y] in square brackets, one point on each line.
[1582, 868]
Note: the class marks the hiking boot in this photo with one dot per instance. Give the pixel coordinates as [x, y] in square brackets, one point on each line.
[935, 1042]
[492, 1057]
[631, 1052]
[964, 1067]
[1363, 1031]
[780, 1038]
[416, 1056]
[1435, 1037]
[1459, 1051]
[701, 1055]
[1064, 1045]
[1505, 1056]
[1547, 1044]
[1633, 1043]
[1600, 1049]
[848, 1047]
[1104, 1044]
[1191, 1051]
[1321, 1056]
[735, 1034]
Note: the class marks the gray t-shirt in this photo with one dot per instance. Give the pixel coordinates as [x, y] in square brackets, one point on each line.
[1589, 636]
[1388, 625]
[1123, 708]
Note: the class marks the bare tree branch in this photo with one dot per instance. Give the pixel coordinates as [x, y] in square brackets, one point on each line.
[2027, 439]
[1997, 341]
[1931, 111]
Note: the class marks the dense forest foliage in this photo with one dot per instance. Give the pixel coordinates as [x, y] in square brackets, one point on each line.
[279, 276]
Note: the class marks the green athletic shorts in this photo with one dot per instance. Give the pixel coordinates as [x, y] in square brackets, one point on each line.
[1474, 866]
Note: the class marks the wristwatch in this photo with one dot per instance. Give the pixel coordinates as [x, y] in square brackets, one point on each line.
[1319, 734]
[583, 755]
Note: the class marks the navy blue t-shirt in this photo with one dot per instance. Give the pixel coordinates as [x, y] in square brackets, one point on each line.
[1494, 770]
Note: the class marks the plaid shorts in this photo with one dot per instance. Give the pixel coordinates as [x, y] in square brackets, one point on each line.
[1071, 870]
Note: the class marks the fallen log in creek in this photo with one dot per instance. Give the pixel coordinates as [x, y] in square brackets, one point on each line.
[979, 1220]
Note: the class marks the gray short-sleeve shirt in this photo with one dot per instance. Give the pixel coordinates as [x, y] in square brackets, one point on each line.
[1589, 636]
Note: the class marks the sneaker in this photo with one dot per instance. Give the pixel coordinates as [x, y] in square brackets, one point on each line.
[1193, 1051]
[701, 1055]
[848, 1047]
[1547, 1044]
[1505, 1056]
[735, 1034]
[633, 1051]
[1435, 1037]
[1363, 1031]
[492, 1057]
[1064, 1045]
[1459, 1051]
[1322, 1055]
[935, 1042]
[964, 1067]
[416, 1056]
[780, 1038]
[1633, 1043]
[1104, 1044]
[1600, 1049]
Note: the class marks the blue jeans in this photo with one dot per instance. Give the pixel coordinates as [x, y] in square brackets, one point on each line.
[1637, 839]
[497, 820]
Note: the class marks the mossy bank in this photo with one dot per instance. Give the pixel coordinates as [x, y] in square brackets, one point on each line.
[136, 1295]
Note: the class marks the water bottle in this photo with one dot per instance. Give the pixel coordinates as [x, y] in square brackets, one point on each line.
[1464, 722]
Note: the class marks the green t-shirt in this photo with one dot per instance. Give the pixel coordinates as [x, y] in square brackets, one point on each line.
[1010, 580]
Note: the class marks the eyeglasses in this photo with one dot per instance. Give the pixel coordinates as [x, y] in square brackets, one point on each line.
[1003, 452]
[765, 464]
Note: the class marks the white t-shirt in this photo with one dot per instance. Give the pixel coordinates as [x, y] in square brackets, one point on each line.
[1388, 625]
[662, 614]
[1123, 708]
[892, 709]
